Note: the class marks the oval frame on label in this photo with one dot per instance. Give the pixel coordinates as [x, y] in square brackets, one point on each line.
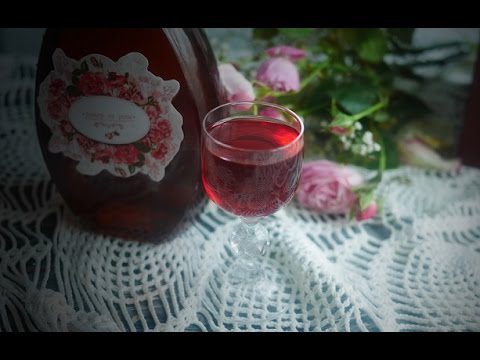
[118, 125]
[109, 120]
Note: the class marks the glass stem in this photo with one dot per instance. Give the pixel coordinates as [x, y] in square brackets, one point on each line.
[248, 240]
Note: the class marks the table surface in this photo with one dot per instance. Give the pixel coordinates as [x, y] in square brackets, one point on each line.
[414, 267]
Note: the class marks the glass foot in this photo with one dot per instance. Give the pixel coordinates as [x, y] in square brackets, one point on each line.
[249, 288]
[259, 285]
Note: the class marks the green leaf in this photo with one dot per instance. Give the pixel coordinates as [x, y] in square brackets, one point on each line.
[84, 66]
[366, 199]
[314, 96]
[372, 46]
[131, 169]
[264, 33]
[342, 120]
[314, 73]
[354, 97]
[391, 151]
[141, 157]
[73, 90]
[333, 108]
[141, 147]
[347, 37]
[296, 33]
[387, 140]
[75, 80]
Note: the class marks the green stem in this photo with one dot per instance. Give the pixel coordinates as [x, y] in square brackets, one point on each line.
[382, 161]
[313, 75]
[308, 111]
[303, 84]
[255, 109]
[370, 110]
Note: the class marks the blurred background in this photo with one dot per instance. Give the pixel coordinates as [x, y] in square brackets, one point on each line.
[28, 40]
[433, 69]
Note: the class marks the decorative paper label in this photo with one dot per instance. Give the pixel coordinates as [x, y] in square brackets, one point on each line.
[113, 116]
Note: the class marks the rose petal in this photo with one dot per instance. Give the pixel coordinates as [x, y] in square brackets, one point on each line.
[279, 74]
[289, 52]
[367, 213]
[238, 88]
[327, 187]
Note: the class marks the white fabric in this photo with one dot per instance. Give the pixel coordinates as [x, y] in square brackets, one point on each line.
[415, 267]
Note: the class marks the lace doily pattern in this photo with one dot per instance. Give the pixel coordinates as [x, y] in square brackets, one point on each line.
[414, 267]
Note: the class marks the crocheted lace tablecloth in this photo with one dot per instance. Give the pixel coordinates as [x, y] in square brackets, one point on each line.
[414, 267]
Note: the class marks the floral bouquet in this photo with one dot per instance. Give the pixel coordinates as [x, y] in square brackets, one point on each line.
[347, 86]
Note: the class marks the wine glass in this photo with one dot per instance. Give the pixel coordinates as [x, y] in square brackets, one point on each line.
[252, 154]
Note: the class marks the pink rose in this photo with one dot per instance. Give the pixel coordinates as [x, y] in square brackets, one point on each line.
[160, 131]
[327, 187]
[289, 52]
[103, 153]
[92, 83]
[125, 154]
[338, 130]
[238, 88]
[114, 80]
[160, 151]
[57, 87]
[368, 213]
[153, 112]
[131, 93]
[86, 144]
[58, 108]
[279, 74]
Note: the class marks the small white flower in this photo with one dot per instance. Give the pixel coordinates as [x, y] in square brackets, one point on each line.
[376, 147]
[358, 126]
[367, 137]
[363, 149]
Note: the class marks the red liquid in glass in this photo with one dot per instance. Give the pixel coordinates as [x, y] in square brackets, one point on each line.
[254, 177]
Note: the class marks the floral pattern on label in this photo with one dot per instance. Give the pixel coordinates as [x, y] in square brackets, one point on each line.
[109, 123]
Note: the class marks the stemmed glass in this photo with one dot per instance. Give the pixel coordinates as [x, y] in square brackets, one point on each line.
[252, 155]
